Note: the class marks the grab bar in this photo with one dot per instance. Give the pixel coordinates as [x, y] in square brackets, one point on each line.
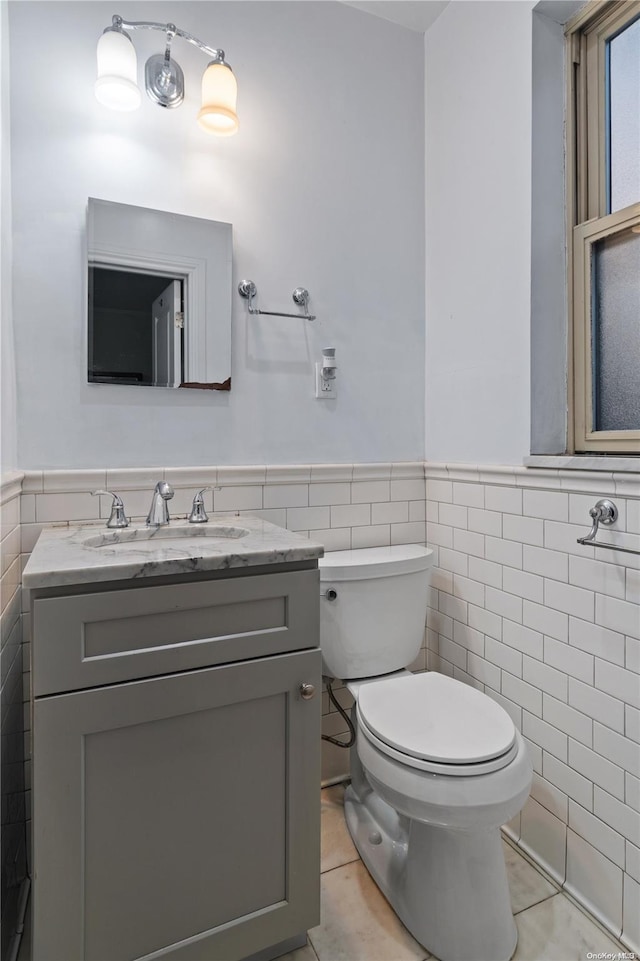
[604, 512]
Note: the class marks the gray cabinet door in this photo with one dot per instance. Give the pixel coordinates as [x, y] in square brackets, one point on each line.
[178, 817]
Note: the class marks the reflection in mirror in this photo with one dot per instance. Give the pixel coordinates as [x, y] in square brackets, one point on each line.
[159, 298]
[135, 328]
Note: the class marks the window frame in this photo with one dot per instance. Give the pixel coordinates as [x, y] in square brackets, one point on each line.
[587, 218]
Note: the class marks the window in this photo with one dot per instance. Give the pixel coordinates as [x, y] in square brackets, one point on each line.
[604, 220]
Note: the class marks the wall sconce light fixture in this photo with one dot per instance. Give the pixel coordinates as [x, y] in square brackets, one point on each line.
[116, 86]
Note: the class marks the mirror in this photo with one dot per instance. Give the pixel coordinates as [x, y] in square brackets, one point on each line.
[159, 298]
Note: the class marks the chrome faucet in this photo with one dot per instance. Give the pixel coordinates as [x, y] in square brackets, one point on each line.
[159, 511]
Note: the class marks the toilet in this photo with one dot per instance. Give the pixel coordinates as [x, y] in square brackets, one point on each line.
[437, 766]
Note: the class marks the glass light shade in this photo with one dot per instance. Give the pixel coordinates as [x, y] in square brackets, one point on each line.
[219, 94]
[116, 86]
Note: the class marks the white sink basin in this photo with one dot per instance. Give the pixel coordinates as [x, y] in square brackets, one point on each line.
[148, 538]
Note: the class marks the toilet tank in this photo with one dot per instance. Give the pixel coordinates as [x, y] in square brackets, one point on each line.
[373, 606]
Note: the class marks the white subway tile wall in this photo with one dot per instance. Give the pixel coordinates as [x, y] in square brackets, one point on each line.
[343, 506]
[561, 629]
[15, 796]
[548, 628]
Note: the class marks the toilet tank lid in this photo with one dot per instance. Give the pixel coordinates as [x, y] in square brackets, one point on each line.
[369, 562]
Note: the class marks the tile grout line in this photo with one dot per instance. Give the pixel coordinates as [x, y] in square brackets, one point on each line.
[536, 903]
[310, 944]
[527, 857]
[337, 867]
[595, 920]
[562, 891]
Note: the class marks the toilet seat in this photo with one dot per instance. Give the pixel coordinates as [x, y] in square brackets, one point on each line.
[432, 767]
[434, 723]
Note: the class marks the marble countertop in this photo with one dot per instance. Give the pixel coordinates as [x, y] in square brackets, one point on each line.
[92, 553]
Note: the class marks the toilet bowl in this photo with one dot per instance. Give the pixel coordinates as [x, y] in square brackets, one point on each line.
[437, 766]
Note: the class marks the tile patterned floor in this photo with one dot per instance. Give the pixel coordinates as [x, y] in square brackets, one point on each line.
[358, 924]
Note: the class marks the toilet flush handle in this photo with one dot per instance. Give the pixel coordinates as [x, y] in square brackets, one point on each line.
[331, 594]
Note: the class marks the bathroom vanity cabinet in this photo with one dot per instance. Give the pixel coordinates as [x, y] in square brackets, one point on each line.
[176, 765]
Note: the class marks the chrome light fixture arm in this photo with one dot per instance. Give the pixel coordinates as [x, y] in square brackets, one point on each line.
[170, 29]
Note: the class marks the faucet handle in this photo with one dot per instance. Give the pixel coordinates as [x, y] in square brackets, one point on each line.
[198, 514]
[117, 518]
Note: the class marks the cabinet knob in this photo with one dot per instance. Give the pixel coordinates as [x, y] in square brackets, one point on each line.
[307, 691]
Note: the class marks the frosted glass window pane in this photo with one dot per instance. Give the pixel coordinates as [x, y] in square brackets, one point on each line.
[624, 118]
[616, 332]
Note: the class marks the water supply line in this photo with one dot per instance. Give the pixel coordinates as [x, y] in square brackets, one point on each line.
[352, 731]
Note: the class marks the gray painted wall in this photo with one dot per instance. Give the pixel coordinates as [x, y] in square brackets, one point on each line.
[8, 424]
[549, 323]
[324, 186]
